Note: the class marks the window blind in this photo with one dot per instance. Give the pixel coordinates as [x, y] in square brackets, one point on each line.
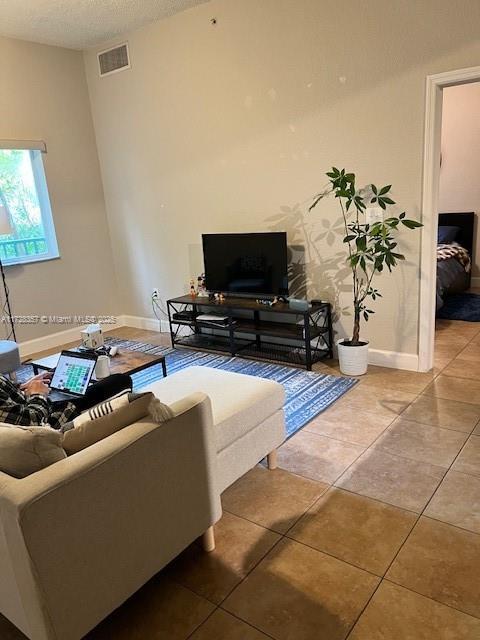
[30, 145]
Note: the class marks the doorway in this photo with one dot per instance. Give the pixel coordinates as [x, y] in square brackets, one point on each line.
[435, 85]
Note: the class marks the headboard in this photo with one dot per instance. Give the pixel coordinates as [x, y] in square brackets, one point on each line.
[465, 220]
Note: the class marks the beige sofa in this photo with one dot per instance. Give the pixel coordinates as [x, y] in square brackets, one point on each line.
[81, 536]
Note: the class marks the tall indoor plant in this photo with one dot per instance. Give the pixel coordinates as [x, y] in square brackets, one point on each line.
[371, 247]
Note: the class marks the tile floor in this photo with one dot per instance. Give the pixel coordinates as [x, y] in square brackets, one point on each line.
[369, 530]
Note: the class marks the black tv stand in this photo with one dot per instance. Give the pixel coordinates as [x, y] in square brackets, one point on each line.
[253, 330]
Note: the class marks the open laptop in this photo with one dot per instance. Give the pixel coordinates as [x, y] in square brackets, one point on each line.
[72, 375]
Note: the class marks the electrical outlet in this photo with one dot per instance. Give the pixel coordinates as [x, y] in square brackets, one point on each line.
[155, 294]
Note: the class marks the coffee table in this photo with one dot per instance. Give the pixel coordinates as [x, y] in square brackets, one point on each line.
[123, 361]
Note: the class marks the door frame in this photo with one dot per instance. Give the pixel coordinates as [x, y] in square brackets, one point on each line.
[431, 178]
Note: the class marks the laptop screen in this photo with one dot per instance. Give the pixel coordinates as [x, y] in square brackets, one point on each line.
[73, 373]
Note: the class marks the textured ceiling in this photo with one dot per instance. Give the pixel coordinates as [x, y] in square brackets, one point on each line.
[79, 24]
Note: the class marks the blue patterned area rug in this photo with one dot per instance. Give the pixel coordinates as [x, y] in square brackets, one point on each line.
[307, 393]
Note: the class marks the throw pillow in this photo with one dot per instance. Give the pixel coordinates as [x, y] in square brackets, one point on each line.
[25, 450]
[447, 234]
[102, 409]
[109, 417]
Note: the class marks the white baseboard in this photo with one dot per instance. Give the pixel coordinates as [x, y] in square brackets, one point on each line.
[138, 322]
[393, 359]
[475, 282]
[164, 326]
[50, 341]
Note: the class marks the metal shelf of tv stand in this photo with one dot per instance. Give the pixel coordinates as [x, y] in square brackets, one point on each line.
[232, 336]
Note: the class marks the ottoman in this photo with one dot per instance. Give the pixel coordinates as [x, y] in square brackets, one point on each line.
[248, 417]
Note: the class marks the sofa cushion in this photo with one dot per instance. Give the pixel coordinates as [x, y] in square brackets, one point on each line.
[108, 417]
[25, 450]
[239, 402]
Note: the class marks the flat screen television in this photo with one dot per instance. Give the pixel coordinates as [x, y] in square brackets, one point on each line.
[246, 263]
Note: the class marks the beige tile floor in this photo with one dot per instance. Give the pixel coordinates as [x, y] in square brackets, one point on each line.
[369, 530]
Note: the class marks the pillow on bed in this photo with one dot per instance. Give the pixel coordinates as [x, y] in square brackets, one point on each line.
[447, 234]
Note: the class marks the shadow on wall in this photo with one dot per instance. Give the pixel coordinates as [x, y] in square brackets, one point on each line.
[405, 321]
[311, 273]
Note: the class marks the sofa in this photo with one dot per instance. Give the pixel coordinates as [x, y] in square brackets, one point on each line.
[82, 535]
[79, 537]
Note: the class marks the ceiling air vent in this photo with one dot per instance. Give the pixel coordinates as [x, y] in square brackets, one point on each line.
[113, 60]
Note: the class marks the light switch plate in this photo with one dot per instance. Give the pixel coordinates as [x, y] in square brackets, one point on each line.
[373, 214]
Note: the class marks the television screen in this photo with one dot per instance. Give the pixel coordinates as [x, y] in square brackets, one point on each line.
[246, 263]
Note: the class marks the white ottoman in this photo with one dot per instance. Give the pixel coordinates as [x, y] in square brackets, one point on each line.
[247, 412]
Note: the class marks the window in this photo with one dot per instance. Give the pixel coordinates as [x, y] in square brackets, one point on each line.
[27, 233]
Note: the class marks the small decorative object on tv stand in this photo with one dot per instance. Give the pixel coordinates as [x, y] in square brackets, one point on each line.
[253, 330]
[193, 292]
[201, 289]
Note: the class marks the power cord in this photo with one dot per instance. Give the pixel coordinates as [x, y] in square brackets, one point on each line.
[10, 332]
[157, 307]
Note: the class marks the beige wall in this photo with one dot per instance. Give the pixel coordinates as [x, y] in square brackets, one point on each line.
[44, 96]
[460, 172]
[231, 128]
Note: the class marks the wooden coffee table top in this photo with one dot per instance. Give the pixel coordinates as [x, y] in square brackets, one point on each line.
[133, 361]
[123, 361]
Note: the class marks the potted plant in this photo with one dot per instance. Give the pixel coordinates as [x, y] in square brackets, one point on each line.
[371, 248]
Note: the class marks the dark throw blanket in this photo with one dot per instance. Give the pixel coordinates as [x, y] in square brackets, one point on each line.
[453, 267]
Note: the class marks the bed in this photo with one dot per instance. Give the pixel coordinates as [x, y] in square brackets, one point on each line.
[454, 253]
